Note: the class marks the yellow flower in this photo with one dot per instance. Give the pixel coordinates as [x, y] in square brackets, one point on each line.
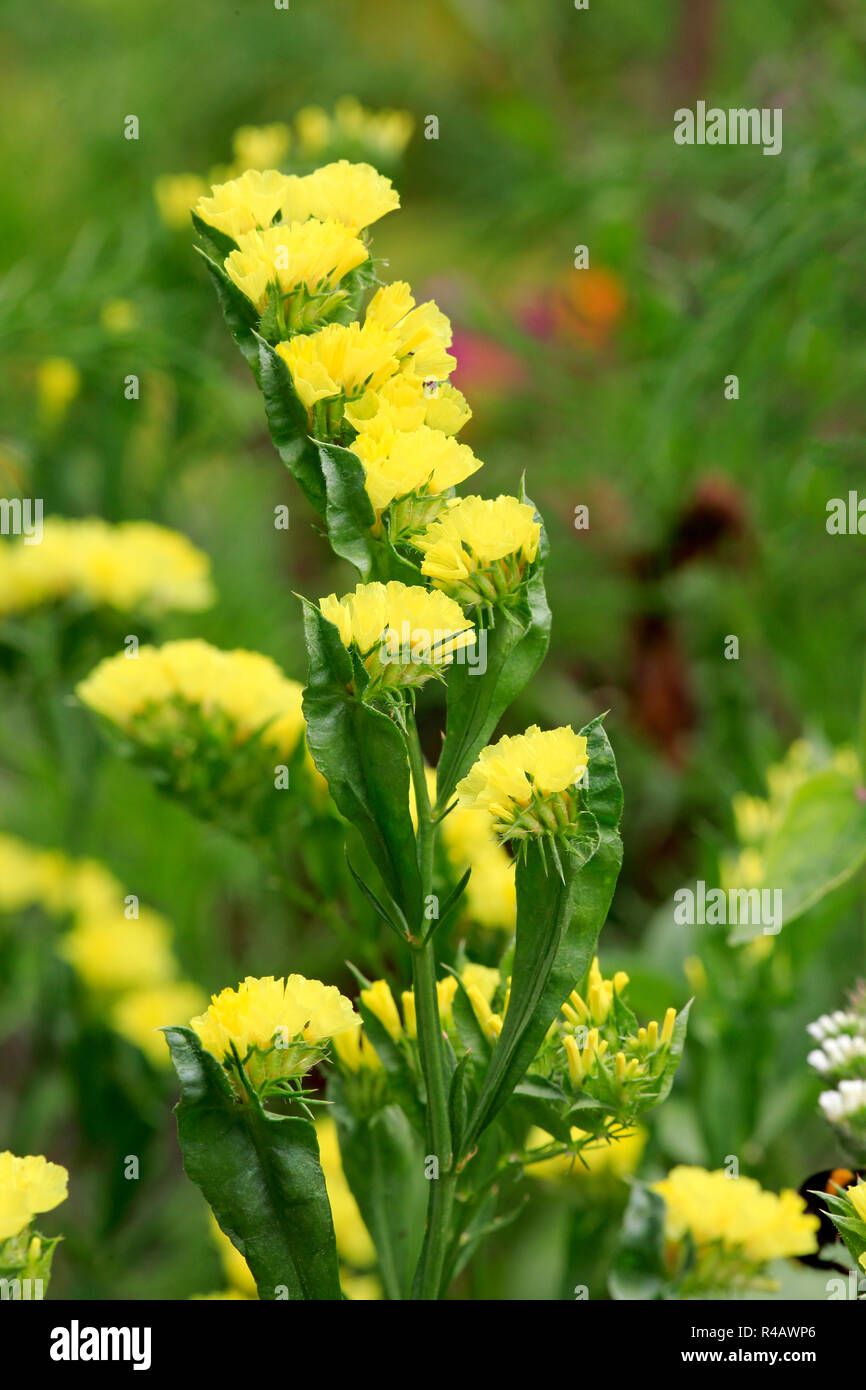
[400, 463]
[737, 1214]
[423, 333]
[58, 382]
[857, 1197]
[354, 194]
[403, 633]
[135, 565]
[176, 195]
[405, 403]
[315, 255]
[27, 875]
[386, 131]
[142, 1013]
[245, 203]
[313, 129]
[599, 998]
[479, 549]
[470, 842]
[491, 1023]
[616, 1158]
[485, 978]
[356, 1052]
[360, 1288]
[380, 1001]
[399, 403]
[28, 1186]
[339, 360]
[118, 316]
[353, 1239]
[278, 1027]
[445, 992]
[114, 953]
[527, 782]
[261, 146]
[447, 409]
[246, 689]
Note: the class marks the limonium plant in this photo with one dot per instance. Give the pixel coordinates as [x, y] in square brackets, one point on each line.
[444, 1083]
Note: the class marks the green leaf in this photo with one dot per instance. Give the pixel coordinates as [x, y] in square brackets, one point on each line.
[819, 844]
[348, 511]
[558, 923]
[361, 753]
[674, 1054]
[260, 1174]
[638, 1270]
[516, 644]
[383, 1161]
[216, 244]
[603, 789]
[545, 1105]
[288, 424]
[238, 311]
[458, 1099]
[331, 478]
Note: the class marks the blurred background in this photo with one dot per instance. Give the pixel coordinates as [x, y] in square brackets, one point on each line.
[606, 386]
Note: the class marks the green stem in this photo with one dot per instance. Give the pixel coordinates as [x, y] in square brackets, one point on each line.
[428, 1276]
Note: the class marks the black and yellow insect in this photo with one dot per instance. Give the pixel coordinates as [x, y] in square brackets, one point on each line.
[829, 1181]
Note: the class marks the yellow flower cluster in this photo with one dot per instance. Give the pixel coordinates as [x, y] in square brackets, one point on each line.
[470, 843]
[261, 146]
[58, 382]
[736, 1214]
[112, 953]
[341, 359]
[380, 383]
[315, 255]
[354, 195]
[411, 464]
[402, 632]
[616, 1157]
[600, 1059]
[480, 982]
[244, 692]
[384, 133]
[126, 963]
[277, 1027]
[28, 1186]
[420, 334]
[469, 840]
[175, 195]
[527, 782]
[371, 371]
[403, 403]
[133, 566]
[479, 548]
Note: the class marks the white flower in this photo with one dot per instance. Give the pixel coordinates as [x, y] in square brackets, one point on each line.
[831, 1025]
[847, 1100]
[819, 1060]
[831, 1103]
